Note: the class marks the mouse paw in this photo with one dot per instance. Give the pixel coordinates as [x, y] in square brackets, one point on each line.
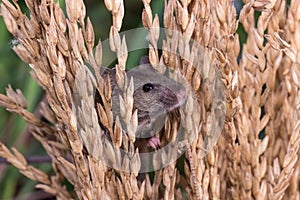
[153, 142]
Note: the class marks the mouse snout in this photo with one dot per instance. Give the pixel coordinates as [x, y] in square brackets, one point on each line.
[181, 95]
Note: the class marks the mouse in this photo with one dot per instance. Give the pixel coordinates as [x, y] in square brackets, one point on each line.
[155, 95]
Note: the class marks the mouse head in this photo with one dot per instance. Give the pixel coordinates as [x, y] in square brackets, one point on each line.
[154, 93]
[155, 96]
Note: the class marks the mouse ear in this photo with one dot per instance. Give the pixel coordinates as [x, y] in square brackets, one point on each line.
[111, 73]
[144, 60]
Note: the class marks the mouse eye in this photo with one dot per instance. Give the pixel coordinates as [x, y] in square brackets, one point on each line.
[147, 87]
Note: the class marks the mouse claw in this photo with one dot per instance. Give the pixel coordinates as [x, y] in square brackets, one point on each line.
[153, 142]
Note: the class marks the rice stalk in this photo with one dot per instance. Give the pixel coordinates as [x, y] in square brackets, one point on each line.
[256, 157]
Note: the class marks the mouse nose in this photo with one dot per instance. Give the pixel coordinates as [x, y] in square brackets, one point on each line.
[181, 96]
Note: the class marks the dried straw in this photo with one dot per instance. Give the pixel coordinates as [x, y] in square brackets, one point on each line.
[255, 158]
